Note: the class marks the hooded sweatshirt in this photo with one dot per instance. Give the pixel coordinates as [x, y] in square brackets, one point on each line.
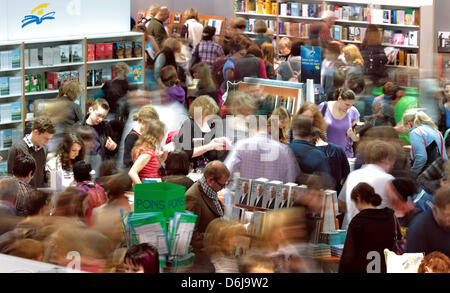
[370, 230]
[175, 94]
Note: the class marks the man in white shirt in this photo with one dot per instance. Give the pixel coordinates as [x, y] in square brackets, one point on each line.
[380, 158]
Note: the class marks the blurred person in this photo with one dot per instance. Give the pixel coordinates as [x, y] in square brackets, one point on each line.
[336, 158]
[177, 169]
[28, 249]
[34, 144]
[250, 65]
[256, 264]
[293, 65]
[145, 114]
[8, 193]
[36, 203]
[284, 49]
[285, 240]
[104, 145]
[170, 84]
[372, 230]
[282, 117]
[192, 28]
[372, 50]
[107, 218]
[380, 159]
[261, 156]
[156, 25]
[167, 56]
[310, 159]
[320, 32]
[430, 178]
[68, 111]
[430, 231]
[206, 85]
[341, 117]
[222, 239]
[330, 64]
[237, 51]
[146, 153]
[181, 61]
[444, 110]
[312, 111]
[207, 50]
[84, 183]
[87, 135]
[152, 11]
[427, 143]
[24, 168]
[94, 258]
[239, 25]
[400, 193]
[269, 59]
[435, 262]
[203, 129]
[142, 259]
[260, 30]
[339, 78]
[270, 34]
[70, 150]
[202, 200]
[354, 59]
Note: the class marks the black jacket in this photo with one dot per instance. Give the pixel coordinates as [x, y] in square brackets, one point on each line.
[104, 131]
[370, 230]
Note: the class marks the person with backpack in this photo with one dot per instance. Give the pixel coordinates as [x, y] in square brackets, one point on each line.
[192, 28]
[427, 143]
[250, 65]
[290, 70]
[372, 50]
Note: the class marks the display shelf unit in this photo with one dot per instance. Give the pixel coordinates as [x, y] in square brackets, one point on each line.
[26, 98]
[355, 20]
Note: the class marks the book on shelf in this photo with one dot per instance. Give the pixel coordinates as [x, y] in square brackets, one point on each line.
[10, 85]
[398, 39]
[65, 53]
[76, 53]
[10, 59]
[413, 38]
[136, 75]
[4, 86]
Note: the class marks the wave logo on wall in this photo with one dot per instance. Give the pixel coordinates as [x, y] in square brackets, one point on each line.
[40, 17]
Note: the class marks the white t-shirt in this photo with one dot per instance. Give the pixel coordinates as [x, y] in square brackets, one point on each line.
[54, 164]
[371, 174]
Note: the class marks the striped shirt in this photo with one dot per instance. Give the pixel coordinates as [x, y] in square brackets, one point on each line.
[208, 51]
[262, 157]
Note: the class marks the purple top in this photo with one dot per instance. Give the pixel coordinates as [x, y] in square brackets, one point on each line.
[337, 129]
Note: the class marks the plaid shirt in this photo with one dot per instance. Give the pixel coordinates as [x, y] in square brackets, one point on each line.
[262, 157]
[430, 179]
[208, 51]
[212, 195]
[30, 144]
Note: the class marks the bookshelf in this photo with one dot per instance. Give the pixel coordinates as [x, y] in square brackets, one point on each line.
[31, 63]
[399, 22]
[176, 22]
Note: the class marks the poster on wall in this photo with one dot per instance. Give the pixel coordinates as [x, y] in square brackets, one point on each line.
[443, 42]
[311, 63]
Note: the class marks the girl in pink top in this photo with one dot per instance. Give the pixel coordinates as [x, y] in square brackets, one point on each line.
[145, 155]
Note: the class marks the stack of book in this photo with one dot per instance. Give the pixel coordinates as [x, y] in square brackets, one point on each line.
[272, 24]
[351, 13]
[11, 112]
[10, 59]
[395, 16]
[348, 33]
[336, 250]
[396, 37]
[256, 6]
[50, 56]
[294, 29]
[117, 50]
[321, 250]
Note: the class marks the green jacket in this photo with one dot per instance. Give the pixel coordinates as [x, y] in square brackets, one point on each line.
[157, 30]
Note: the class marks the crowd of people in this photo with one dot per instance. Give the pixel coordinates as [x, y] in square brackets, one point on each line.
[397, 195]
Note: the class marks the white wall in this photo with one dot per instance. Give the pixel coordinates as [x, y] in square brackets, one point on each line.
[72, 17]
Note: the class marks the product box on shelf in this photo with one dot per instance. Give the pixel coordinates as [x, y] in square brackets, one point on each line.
[65, 53]
[108, 51]
[16, 56]
[119, 50]
[90, 52]
[56, 55]
[27, 83]
[51, 80]
[47, 56]
[15, 85]
[99, 51]
[27, 57]
[137, 49]
[34, 57]
[90, 78]
[4, 86]
[77, 53]
[128, 49]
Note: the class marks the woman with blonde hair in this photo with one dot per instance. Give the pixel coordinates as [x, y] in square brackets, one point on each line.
[192, 28]
[146, 153]
[268, 57]
[427, 143]
[145, 114]
[354, 59]
[284, 123]
[240, 105]
[197, 134]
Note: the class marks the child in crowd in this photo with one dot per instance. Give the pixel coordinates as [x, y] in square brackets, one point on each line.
[142, 258]
[145, 154]
[170, 83]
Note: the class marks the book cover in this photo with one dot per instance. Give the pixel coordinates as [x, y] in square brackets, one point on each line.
[75, 75]
[243, 192]
[34, 58]
[90, 78]
[304, 10]
[15, 85]
[413, 37]
[16, 111]
[77, 53]
[98, 77]
[119, 50]
[51, 80]
[296, 193]
[47, 56]
[65, 53]
[27, 57]
[90, 52]
[56, 55]
[357, 34]
[398, 39]
[27, 83]
[16, 56]
[283, 9]
[4, 63]
[4, 86]
[311, 63]
[377, 16]
[387, 16]
[273, 195]
[136, 74]
[106, 74]
[108, 52]
[294, 9]
[388, 36]
[257, 193]
[5, 113]
[7, 138]
[99, 51]
[409, 16]
[401, 16]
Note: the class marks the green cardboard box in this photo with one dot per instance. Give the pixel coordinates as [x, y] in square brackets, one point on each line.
[162, 197]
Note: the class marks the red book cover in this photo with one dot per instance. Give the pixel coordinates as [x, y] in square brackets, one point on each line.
[100, 51]
[51, 80]
[108, 51]
[91, 52]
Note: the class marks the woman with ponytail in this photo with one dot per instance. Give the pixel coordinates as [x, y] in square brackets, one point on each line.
[369, 233]
[427, 143]
[341, 117]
